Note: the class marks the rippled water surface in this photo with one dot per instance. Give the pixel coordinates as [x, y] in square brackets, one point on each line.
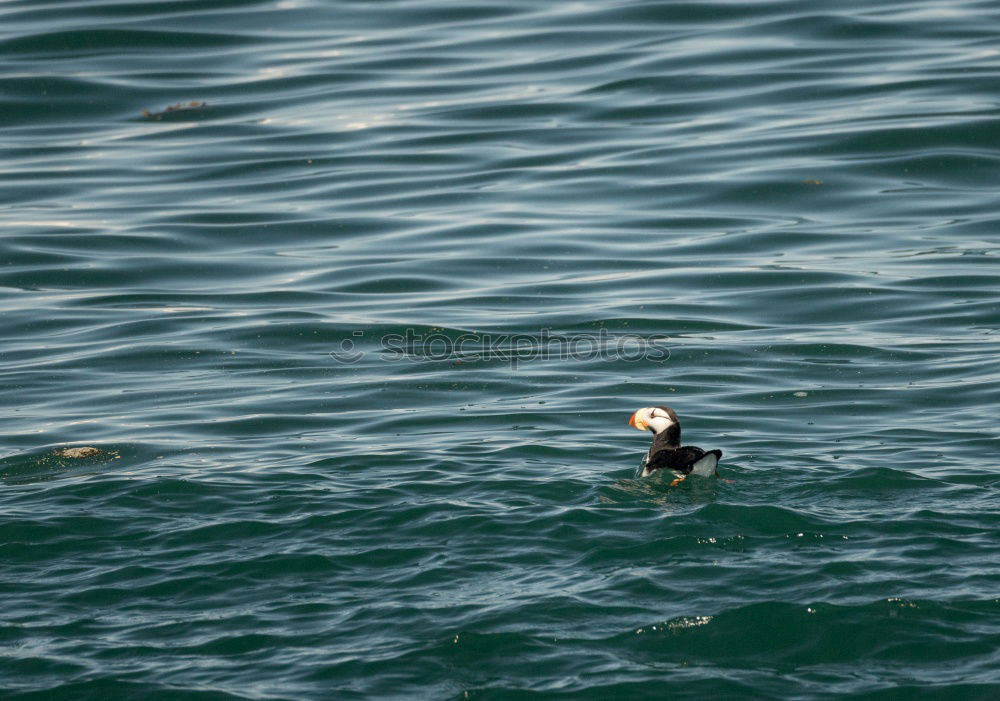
[354, 300]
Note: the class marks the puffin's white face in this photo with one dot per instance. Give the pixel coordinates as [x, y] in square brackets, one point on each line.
[651, 417]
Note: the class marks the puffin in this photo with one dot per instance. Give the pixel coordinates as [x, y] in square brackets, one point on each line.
[667, 453]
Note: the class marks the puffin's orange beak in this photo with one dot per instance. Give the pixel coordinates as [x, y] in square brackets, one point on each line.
[634, 421]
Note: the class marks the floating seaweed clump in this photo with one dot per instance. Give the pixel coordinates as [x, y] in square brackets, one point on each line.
[179, 107]
[85, 451]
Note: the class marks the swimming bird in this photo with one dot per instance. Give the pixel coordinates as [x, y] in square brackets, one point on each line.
[667, 453]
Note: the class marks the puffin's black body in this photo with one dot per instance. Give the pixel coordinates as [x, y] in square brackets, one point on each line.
[663, 455]
[667, 453]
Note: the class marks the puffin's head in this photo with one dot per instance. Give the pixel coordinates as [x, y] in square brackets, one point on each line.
[654, 418]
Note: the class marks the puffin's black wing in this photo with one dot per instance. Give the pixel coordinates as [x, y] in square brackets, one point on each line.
[684, 460]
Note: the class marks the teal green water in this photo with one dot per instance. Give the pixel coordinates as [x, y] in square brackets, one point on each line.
[357, 331]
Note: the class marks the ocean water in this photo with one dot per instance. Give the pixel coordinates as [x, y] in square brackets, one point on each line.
[354, 300]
